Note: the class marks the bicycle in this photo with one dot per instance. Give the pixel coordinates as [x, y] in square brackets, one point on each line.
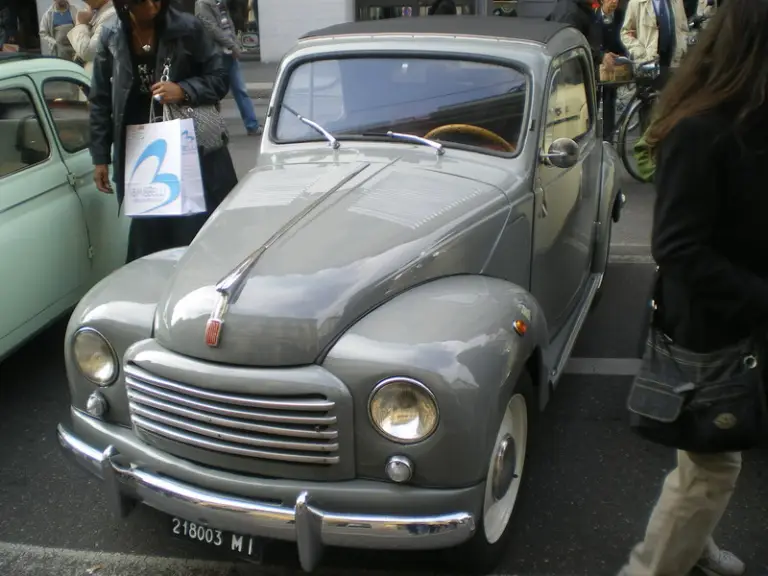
[636, 114]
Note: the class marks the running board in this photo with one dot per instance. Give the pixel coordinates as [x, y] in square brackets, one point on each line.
[593, 286]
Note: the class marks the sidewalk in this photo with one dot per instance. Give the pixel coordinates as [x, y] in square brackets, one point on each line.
[259, 78]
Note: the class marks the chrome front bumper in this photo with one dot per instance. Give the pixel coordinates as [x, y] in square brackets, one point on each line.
[310, 527]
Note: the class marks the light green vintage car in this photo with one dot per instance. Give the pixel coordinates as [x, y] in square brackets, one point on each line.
[58, 234]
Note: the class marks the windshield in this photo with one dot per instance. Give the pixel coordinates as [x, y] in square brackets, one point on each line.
[476, 104]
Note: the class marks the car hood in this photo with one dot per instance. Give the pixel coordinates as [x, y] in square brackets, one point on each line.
[332, 241]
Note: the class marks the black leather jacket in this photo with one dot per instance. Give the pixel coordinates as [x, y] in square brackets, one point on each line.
[196, 65]
[580, 15]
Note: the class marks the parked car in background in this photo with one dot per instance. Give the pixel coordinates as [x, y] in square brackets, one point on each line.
[354, 349]
[58, 234]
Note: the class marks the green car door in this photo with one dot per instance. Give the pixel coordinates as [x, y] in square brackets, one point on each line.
[43, 241]
[65, 97]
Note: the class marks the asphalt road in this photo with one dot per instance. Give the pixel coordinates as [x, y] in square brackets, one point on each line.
[590, 489]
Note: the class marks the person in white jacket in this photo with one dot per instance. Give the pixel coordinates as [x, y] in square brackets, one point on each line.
[84, 37]
[656, 28]
[55, 24]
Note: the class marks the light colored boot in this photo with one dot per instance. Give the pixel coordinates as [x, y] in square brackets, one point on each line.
[716, 562]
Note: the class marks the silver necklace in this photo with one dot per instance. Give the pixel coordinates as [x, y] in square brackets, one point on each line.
[145, 47]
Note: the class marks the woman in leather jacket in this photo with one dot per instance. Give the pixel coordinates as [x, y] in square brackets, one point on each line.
[126, 84]
[442, 7]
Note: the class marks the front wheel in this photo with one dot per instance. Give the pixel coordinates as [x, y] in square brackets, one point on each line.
[631, 130]
[505, 479]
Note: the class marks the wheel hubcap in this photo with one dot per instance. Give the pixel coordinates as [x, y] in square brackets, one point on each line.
[504, 467]
[505, 470]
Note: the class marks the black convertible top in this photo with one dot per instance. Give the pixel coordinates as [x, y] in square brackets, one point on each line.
[531, 29]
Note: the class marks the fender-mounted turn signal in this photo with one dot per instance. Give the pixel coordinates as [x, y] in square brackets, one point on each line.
[520, 327]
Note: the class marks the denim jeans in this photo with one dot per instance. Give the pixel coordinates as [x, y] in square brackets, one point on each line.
[240, 94]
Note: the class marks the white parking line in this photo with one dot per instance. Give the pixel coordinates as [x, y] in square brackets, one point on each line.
[26, 560]
[603, 366]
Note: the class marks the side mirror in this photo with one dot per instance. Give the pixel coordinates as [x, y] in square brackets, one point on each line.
[562, 153]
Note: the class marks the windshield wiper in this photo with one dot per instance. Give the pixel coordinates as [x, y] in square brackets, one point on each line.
[410, 138]
[315, 126]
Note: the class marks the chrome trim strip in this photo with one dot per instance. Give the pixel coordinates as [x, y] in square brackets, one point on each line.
[204, 443]
[304, 405]
[225, 411]
[310, 527]
[232, 282]
[137, 398]
[220, 434]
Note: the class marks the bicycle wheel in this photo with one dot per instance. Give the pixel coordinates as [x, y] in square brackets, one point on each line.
[625, 95]
[630, 131]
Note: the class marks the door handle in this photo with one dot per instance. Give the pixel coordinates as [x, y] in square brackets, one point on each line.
[544, 211]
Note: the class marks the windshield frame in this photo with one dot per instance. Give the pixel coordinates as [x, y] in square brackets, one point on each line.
[517, 65]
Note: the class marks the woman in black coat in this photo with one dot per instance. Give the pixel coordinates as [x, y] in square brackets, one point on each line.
[126, 84]
[709, 240]
[442, 7]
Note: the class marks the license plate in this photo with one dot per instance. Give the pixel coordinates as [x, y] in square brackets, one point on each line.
[239, 544]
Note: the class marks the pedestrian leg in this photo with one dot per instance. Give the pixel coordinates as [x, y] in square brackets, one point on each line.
[693, 499]
[609, 112]
[243, 100]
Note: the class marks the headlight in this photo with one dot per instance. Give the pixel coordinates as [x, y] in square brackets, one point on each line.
[94, 356]
[403, 410]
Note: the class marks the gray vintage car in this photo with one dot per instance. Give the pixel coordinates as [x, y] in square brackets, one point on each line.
[354, 349]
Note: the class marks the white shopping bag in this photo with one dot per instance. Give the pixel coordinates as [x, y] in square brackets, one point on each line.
[162, 170]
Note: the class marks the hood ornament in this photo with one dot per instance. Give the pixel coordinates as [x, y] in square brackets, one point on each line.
[228, 288]
[216, 321]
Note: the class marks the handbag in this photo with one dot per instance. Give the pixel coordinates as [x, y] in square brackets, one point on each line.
[210, 129]
[699, 402]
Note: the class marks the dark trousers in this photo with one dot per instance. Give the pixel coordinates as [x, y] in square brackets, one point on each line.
[609, 112]
[153, 234]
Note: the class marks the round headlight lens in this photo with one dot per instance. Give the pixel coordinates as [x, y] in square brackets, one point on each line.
[94, 357]
[403, 410]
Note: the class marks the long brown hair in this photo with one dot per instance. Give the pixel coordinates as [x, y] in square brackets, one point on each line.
[727, 68]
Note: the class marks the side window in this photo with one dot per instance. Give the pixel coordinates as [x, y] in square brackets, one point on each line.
[68, 102]
[568, 113]
[22, 138]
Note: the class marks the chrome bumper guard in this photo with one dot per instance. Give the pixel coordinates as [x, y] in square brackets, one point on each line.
[310, 527]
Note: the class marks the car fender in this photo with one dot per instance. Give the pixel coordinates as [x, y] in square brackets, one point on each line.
[457, 336]
[121, 307]
[609, 207]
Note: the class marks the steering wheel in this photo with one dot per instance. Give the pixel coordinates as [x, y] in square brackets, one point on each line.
[472, 130]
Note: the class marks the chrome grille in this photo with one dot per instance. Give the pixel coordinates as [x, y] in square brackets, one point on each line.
[299, 429]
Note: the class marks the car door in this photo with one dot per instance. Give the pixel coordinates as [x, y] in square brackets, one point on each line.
[565, 198]
[43, 246]
[65, 97]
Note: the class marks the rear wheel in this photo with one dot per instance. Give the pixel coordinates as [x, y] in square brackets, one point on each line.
[505, 479]
[599, 293]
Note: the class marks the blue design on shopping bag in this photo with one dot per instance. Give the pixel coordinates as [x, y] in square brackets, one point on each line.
[187, 136]
[158, 149]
